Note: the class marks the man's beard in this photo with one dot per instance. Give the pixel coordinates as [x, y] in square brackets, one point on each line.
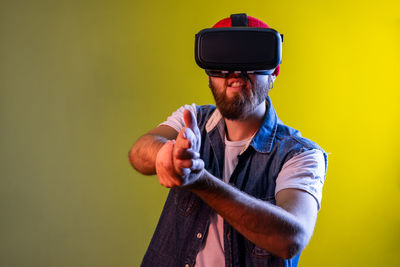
[243, 103]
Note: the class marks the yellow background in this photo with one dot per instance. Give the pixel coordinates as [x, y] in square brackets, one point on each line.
[80, 81]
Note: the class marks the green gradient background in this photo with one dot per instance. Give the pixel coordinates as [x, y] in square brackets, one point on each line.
[81, 80]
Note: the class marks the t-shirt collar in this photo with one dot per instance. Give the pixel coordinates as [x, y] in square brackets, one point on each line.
[262, 140]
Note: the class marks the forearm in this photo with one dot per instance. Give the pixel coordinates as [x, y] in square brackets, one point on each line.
[143, 154]
[266, 225]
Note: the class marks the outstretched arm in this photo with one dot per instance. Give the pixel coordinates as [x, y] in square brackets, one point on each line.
[143, 154]
[283, 229]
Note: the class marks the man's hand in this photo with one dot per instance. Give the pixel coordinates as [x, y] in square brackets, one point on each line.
[178, 162]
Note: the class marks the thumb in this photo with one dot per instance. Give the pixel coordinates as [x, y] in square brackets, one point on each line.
[190, 119]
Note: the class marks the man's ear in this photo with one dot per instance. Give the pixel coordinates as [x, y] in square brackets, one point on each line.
[271, 81]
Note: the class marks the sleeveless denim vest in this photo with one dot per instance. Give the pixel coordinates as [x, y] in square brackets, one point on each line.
[183, 225]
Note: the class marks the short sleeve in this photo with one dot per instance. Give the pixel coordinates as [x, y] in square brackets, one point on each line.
[305, 171]
[176, 119]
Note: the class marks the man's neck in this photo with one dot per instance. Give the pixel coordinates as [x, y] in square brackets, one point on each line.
[237, 130]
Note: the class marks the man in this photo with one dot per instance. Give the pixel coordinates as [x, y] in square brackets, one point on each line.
[245, 188]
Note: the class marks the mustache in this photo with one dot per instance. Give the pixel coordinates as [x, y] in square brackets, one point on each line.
[243, 76]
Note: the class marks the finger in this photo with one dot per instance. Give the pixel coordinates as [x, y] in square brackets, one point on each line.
[185, 172]
[182, 168]
[190, 135]
[181, 173]
[190, 119]
[197, 164]
[191, 123]
[186, 154]
[182, 141]
[181, 164]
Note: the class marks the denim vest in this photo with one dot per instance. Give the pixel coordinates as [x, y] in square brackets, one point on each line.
[183, 225]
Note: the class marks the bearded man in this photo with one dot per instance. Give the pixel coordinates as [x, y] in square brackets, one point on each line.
[245, 188]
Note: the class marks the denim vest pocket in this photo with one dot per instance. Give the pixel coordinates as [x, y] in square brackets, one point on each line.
[259, 252]
[184, 200]
[257, 256]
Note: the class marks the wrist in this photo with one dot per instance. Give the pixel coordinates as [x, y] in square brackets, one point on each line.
[200, 180]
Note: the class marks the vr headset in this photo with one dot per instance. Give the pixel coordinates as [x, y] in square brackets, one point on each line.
[239, 48]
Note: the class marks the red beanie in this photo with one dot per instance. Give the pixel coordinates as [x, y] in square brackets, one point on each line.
[252, 22]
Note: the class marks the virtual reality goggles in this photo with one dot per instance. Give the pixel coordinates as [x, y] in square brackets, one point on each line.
[238, 48]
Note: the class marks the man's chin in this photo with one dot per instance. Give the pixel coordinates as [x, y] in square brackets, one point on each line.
[232, 112]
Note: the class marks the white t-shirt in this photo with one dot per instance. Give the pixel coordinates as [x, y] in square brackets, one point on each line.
[305, 171]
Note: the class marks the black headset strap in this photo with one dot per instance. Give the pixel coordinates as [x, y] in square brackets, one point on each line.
[239, 20]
